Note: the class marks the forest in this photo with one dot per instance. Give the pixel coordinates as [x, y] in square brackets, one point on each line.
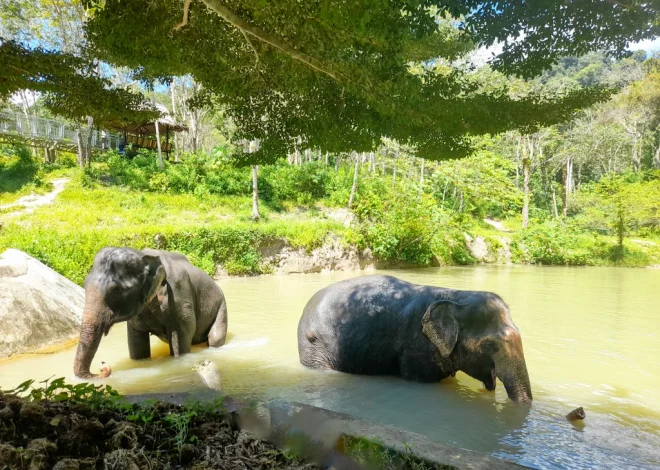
[582, 192]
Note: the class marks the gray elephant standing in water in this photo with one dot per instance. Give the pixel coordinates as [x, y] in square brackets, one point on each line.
[381, 325]
[155, 292]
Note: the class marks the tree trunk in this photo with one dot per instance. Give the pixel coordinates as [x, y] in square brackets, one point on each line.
[421, 179]
[355, 181]
[568, 185]
[656, 158]
[636, 160]
[160, 153]
[526, 167]
[255, 193]
[176, 141]
[337, 162]
[326, 158]
[396, 163]
[554, 201]
[90, 131]
[81, 155]
[518, 147]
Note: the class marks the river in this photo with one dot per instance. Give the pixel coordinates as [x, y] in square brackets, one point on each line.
[591, 338]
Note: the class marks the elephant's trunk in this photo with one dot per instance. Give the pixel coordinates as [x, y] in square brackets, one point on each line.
[511, 369]
[91, 330]
[514, 376]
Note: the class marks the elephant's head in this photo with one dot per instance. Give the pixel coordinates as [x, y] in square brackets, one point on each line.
[122, 281]
[474, 333]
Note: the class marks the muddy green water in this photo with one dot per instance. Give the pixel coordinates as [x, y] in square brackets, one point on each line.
[591, 339]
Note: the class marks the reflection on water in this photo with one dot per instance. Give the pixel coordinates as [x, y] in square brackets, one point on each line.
[591, 339]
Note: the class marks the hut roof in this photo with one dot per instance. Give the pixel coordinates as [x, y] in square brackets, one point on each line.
[165, 123]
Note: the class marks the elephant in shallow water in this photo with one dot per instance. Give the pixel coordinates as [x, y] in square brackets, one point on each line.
[155, 292]
[381, 325]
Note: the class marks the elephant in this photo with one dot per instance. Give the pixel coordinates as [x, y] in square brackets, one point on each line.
[382, 325]
[155, 292]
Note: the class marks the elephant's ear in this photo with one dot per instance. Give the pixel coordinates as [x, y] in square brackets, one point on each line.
[440, 326]
[154, 277]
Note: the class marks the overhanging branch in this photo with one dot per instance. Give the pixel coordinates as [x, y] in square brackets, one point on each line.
[245, 27]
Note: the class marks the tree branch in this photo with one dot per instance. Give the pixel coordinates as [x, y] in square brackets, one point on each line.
[256, 54]
[186, 9]
[245, 27]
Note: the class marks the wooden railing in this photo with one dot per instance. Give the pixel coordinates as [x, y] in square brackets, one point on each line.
[17, 127]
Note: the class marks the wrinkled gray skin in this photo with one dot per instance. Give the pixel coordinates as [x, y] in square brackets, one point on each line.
[381, 325]
[155, 292]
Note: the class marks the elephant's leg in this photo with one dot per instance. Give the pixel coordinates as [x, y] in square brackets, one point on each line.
[218, 332]
[179, 341]
[139, 346]
[418, 369]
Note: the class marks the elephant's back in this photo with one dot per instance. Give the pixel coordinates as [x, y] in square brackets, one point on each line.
[354, 325]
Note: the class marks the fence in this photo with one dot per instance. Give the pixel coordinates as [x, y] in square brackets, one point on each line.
[50, 132]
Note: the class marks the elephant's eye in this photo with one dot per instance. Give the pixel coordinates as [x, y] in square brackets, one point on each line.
[490, 347]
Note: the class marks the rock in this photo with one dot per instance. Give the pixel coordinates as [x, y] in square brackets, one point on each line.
[479, 249]
[39, 308]
[332, 256]
[209, 373]
[504, 251]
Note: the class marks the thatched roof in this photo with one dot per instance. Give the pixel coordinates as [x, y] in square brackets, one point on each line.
[165, 123]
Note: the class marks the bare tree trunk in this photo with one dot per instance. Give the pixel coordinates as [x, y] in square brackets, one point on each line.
[568, 185]
[255, 192]
[554, 201]
[160, 153]
[355, 180]
[88, 149]
[396, 164]
[337, 162]
[518, 147]
[421, 179]
[526, 168]
[656, 158]
[326, 158]
[636, 159]
[174, 116]
[372, 159]
[81, 155]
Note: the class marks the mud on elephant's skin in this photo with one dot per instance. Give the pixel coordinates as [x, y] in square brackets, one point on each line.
[155, 292]
[381, 325]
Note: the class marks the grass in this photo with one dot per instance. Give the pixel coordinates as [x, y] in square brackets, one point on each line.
[96, 210]
[209, 229]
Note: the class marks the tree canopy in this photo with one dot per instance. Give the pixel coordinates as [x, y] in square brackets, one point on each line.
[71, 87]
[340, 75]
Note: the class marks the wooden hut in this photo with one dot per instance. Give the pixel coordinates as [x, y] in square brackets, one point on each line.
[149, 134]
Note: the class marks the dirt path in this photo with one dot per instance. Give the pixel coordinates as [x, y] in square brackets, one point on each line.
[497, 225]
[32, 201]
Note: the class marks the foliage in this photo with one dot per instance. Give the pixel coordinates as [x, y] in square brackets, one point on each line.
[73, 89]
[621, 205]
[340, 77]
[372, 454]
[481, 186]
[94, 396]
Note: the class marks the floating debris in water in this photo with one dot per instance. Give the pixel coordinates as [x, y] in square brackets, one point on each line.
[576, 414]
[106, 370]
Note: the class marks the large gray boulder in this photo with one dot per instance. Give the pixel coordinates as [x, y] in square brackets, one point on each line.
[39, 308]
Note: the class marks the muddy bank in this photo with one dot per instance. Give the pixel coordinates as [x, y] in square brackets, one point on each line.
[86, 427]
[66, 436]
[279, 257]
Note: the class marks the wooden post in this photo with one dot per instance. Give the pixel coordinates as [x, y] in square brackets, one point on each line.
[167, 141]
[160, 154]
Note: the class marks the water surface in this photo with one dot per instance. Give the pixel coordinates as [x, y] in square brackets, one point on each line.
[591, 338]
